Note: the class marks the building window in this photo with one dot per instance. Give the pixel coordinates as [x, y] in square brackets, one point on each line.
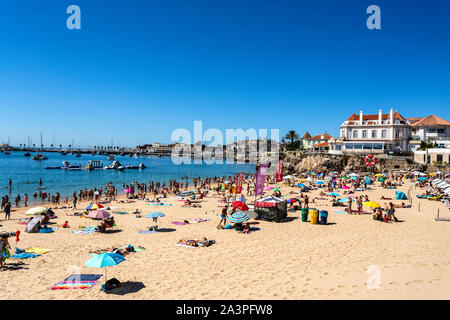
[349, 146]
[367, 146]
[397, 133]
[364, 134]
[383, 133]
[439, 158]
[441, 130]
[338, 147]
[377, 146]
[342, 133]
[357, 146]
[432, 130]
[355, 134]
[374, 133]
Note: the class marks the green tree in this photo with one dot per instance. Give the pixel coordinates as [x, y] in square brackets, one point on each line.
[291, 135]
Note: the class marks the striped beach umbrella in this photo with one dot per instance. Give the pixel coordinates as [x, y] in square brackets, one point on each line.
[94, 206]
[239, 217]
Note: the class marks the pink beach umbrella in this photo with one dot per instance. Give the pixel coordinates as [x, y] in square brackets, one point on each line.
[268, 188]
[345, 187]
[99, 214]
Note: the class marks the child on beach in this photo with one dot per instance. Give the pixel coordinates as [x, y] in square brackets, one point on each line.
[5, 248]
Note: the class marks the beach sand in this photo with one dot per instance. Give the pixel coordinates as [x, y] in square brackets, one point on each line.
[288, 260]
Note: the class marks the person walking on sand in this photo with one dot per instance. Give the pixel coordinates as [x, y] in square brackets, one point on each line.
[25, 200]
[306, 202]
[223, 217]
[8, 211]
[74, 200]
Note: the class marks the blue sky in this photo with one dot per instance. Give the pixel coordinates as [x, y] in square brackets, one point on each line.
[139, 69]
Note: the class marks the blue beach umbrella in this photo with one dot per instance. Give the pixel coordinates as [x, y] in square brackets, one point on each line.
[354, 178]
[345, 200]
[239, 217]
[104, 260]
[301, 185]
[155, 215]
[334, 194]
[319, 182]
[422, 178]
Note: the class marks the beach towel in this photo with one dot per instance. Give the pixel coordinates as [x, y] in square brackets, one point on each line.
[185, 245]
[83, 277]
[160, 204]
[74, 285]
[197, 220]
[121, 212]
[178, 223]
[146, 231]
[37, 250]
[25, 255]
[48, 230]
[85, 230]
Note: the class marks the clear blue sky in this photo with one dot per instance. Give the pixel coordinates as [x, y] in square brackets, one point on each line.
[139, 69]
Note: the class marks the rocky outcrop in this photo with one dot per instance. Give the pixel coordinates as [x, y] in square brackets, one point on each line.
[299, 162]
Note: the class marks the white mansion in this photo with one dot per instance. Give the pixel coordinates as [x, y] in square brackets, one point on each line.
[373, 133]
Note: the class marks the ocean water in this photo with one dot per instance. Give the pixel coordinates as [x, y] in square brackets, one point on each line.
[25, 173]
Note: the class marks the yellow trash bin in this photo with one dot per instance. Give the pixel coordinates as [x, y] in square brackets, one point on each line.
[314, 216]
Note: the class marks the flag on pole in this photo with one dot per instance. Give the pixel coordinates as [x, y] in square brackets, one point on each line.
[279, 176]
[260, 178]
[239, 180]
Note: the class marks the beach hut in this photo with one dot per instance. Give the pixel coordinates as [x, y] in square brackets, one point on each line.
[400, 196]
[271, 209]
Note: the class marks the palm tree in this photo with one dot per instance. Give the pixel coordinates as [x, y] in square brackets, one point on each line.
[292, 135]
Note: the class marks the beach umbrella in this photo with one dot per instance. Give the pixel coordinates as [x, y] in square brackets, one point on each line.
[239, 217]
[371, 204]
[155, 215]
[94, 206]
[240, 205]
[99, 214]
[354, 178]
[104, 260]
[319, 182]
[346, 187]
[301, 185]
[344, 177]
[382, 179]
[333, 194]
[268, 188]
[276, 189]
[353, 174]
[422, 178]
[288, 177]
[128, 190]
[292, 200]
[345, 200]
[36, 211]
[309, 179]
[32, 225]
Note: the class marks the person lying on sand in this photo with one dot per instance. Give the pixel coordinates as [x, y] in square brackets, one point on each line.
[385, 198]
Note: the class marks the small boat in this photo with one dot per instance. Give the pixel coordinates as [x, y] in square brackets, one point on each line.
[7, 152]
[120, 168]
[27, 154]
[39, 156]
[64, 153]
[136, 156]
[78, 155]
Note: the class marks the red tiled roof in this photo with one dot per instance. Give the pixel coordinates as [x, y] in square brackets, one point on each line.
[323, 144]
[384, 116]
[306, 135]
[430, 121]
[326, 136]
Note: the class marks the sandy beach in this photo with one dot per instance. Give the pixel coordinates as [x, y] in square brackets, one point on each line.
[287, 260]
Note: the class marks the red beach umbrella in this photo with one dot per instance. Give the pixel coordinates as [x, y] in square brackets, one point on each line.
[240, 205]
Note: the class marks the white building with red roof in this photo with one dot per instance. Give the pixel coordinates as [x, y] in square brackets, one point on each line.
[431, 129]
[373, 134]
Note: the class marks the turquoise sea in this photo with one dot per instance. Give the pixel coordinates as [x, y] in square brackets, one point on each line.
[25, 173]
